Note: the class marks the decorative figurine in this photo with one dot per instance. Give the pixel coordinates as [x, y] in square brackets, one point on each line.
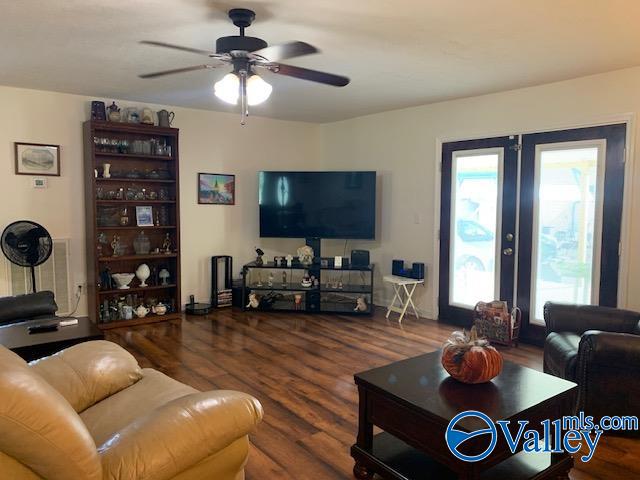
[284, 279]
[254, 301]
[166, 245]
[115, 245]
[297, 301]
[106, 170]
[305, 255]
[306, 280]
[164, 276]
[361, 305]
[124, 217]
[114, 112]
[340, 286]
[316, 282]
[278, 261]
[143, 272]
[270, 280]
[259, 253]
[289, 259]
[259, 284]
[102, 240]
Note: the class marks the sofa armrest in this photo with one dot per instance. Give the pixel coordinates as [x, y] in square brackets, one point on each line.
[27, 307]
[580, 318]
[89, 372]
[178, 435]
[617, 350]
[608, 374]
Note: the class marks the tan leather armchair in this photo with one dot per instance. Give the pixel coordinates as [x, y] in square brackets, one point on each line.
[91, 413]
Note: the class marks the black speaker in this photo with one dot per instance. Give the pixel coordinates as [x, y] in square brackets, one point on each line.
[360, 258]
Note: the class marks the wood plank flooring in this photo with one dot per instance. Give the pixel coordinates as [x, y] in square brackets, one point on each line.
[301, 368]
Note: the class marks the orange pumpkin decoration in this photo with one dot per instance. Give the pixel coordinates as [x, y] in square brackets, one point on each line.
[470, 359]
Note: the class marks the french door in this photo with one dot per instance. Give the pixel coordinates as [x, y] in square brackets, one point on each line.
[563, 250]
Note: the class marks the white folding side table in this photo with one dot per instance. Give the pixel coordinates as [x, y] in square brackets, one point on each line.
[400, 284]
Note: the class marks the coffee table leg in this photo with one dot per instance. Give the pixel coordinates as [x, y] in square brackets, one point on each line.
[365, 435]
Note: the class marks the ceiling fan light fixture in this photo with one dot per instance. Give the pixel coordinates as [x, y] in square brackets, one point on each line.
[228, 88]
[258, 90]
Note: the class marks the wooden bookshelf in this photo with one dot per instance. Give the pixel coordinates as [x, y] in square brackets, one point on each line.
[105, 198]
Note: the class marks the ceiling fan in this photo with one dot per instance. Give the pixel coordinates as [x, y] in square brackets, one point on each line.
[246, 55]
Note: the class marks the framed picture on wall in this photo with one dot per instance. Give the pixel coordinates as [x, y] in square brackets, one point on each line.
[37, 159]
[216, 189]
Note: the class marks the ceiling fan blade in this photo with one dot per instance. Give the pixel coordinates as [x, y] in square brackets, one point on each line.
[176, 70]
[311, 75]
[275, 53]
[181, 48]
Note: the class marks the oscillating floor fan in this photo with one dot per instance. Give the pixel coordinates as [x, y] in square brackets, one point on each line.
[27, 244]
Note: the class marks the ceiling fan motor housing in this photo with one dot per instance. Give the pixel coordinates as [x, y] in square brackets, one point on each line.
[248, 44]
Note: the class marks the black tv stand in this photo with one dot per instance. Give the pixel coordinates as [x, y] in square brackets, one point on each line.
[337, 292]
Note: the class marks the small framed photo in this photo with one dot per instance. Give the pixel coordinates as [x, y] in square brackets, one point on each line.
[144, 216]
[216, 189]
[37, 159]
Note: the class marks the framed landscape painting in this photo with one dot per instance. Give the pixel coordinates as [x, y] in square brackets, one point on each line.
[37, 159]
[216, 189]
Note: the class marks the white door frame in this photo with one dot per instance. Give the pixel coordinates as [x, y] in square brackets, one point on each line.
[629, 119]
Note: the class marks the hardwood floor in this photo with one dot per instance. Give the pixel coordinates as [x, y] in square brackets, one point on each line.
[301, 368]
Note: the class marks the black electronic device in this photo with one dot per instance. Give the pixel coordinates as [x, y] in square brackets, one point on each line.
[317, 204]
[416, 271]
[360, 258]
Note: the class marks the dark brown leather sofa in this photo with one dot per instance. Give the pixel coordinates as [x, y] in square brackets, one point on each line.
[599, 349]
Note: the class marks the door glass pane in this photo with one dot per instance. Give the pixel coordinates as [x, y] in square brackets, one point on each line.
[565, 227]
[475, 199]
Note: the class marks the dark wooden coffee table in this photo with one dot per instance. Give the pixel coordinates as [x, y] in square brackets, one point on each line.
[414, 400]
[16, 337]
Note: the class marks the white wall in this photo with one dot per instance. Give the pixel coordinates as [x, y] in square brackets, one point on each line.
[401, 146]
[209, 142]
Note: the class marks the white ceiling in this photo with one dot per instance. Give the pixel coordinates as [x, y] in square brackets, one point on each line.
[397, 53]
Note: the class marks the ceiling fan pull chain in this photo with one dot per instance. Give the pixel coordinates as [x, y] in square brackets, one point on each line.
[244, 107]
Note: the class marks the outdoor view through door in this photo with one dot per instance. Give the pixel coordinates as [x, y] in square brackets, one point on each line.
[568, 182]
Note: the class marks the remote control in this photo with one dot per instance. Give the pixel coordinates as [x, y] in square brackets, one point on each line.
[50, 327]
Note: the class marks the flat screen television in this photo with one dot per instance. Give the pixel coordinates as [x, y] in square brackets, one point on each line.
[317, 204]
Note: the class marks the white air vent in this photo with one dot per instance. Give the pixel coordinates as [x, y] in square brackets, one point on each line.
[51, 275]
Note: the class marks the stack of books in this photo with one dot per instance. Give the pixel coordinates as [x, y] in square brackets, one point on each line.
[224, 298]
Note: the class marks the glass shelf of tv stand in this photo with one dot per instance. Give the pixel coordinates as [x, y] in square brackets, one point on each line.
[299, 266]
[297, 288]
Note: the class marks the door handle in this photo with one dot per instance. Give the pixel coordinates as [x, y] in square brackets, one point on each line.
[507, 251]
